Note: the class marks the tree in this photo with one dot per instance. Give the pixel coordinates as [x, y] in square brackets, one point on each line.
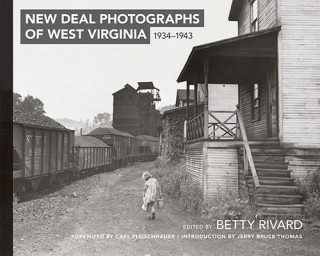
[28, 104]
[16, 100]
[101, 119]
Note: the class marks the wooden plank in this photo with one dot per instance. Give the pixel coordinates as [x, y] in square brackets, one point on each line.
[49, 151]
[222, 170]
[23, 153]
[62, 151]
[223, 125]
[205, 173]
[33, 151]
[248, 151]
[195, 91]
[188, 99]
[245, 162]
[42, 153]
[206, 84]
[57, 152]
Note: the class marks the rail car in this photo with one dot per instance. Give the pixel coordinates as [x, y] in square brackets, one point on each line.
[45, 153]
[91, 155]
[42, 152]
[148, 147]
[125, 145]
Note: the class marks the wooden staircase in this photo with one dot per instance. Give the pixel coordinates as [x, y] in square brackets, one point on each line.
[277, 194]
[270, 186]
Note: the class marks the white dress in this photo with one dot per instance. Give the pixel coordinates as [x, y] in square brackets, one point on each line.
[150, 188]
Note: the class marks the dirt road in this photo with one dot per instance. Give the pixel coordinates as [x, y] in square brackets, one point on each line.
[109, 221]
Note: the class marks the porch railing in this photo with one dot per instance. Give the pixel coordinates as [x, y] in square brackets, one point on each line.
[217, 129]
[231, 128]
[226, 129]
[195, 127]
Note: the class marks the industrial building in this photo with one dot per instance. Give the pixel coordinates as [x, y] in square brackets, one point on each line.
[134, 110]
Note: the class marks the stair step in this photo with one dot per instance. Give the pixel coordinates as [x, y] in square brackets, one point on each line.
[268, 158]
[265, 144]
[272, 173]
[278, 199]
[281, 205]
[278, 190]
[270, 164]
[280, 209]
[277, 181]
[288, 216]
[267, 151]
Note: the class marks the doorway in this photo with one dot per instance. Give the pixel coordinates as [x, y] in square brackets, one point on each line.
[272, 85]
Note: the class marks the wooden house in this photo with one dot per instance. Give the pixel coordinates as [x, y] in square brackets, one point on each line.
[275, 62]
[221, 97]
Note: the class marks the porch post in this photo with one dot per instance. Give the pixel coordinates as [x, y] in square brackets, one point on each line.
[195, 84]
[206, 84]
[188, 96]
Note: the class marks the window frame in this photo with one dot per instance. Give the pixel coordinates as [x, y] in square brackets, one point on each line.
[254, 24]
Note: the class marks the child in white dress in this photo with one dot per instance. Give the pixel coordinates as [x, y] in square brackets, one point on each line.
[151, 187]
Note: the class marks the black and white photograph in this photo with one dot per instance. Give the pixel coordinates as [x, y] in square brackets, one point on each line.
[166, 127]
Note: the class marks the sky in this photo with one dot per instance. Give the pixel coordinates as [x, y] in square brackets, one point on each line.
[77, 81]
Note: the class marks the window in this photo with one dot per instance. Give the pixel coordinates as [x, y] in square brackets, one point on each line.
[254, 15]
[255, 116]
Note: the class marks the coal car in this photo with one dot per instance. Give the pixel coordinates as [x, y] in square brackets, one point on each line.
[42, 151]
[91, 155]
[125, 145]
[46, 153]
[148, 147]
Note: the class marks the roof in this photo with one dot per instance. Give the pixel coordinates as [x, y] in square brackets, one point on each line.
[256, 44]
[108, 131]
[89, 142]
[147, 137]
[178, 109]
[126, 87]
[182, 95]
[36, 120]
[234, 10]
[146, 86]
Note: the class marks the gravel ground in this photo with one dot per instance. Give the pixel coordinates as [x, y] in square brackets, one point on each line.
[46, 212]
[110, 204]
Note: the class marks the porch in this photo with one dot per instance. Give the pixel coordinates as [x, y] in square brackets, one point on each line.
[213, 153]
[239, 149]
[215, 136]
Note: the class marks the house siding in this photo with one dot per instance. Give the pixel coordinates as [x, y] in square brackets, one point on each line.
[244, 19]
[300, 72]
[303, 163]
[257, 130]
[194, 162]
[222, 97]
[222, 173]
[267, 16]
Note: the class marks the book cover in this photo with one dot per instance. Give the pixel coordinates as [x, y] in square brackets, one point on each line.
[166, 128]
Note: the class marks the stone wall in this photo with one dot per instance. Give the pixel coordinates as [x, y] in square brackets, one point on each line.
[172, 137]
